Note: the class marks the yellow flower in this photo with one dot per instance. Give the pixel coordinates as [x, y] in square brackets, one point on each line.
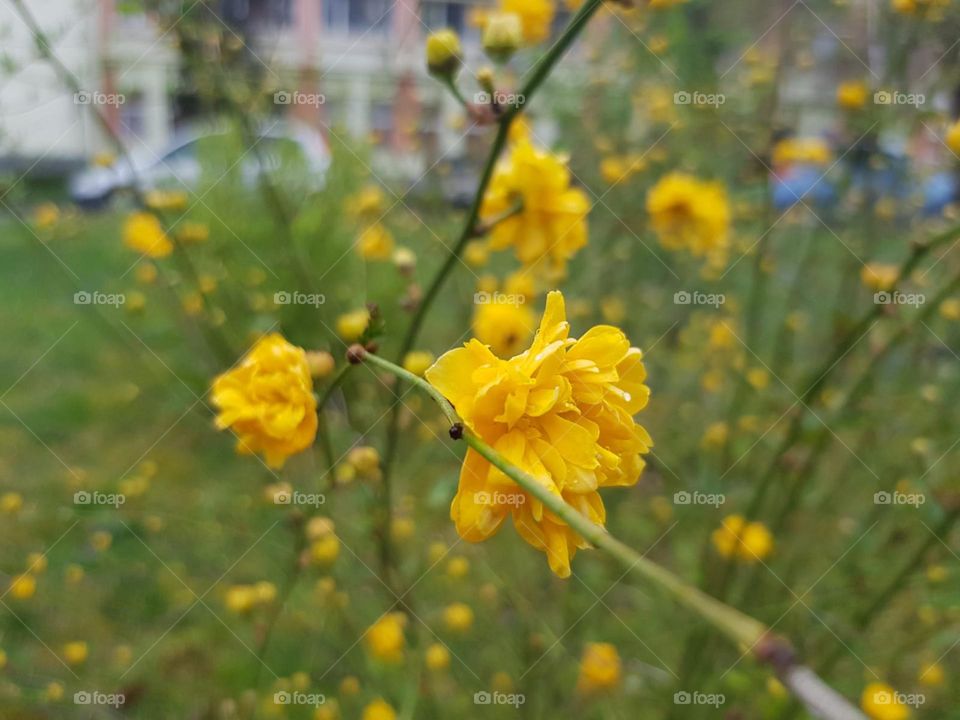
[321, 363]
[750, 542]
[349, 686]
[690, 214]
[502, 35]
[418, 361]
[458, 617]
[365, 460]
[599, 669]
[368, 203]
[476, 253]
[932, 675]
[852, 95]
[904, 7]
[75, 653]
[437, 657]
[267, 400]
[458, 567]
[379, 709]
[54, 691]
[161, 200]
[879, 276]
[375, 242]
[950, 309]
[881, 702]
[324, 551]
[953, 138]
[384, 639]
[192, 233]
[563, 412]
[552, 222]
[143, 232]
[146, 273]
[535, 16]
[351, 325]
[813, 151]
[46, 215]
[11, 502]
[22, 587]
[504, 326]
[443, 52]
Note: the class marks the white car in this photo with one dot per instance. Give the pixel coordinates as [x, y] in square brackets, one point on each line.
[179, 164]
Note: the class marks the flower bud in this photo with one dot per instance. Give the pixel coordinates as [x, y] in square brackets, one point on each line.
[502, 35]
[443, 53]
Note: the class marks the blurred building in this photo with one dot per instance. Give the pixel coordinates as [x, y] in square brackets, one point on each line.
[350, 67]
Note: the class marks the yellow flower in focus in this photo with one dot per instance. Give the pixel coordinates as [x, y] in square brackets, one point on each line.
[750, 542]
[143, 232]
[443, 52]
[600, 669]
[879, 276]
[881, 702]
[852, 95]
[46, 215]
[75, 653]
[458, 617]
[384, 639]
[552, 222]
[562, 411]
[379, 710]
[268, 401]
[160, 200]
[953, 137]
[351, 325]
[22, 587]
[375, 242]
[437, 657]
[504, 326]
[690, 214]
[535, 16]
[418, 361]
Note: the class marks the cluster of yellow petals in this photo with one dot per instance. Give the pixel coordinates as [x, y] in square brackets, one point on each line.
[552, 222]
[691, 214]
[143, 232]
[750, 542]
[268, 401]
[536, 17]
[562, 411]
[600, 669]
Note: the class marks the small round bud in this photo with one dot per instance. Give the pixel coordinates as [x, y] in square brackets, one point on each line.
[321, 363]
[356, 354]
[502, 35]
[443, 53]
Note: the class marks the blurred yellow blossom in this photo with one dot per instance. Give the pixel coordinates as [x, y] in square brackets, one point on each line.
[375, 242]
[379, 710]
[458, 617]
[437, 657]
[852, 95]
[418, 361]
[75, 653]
[351, 325]
[504, 326]
[690, 214]
[22, 587]
[881, 702]
[384, 639]
[750, 542]
[600, 669]
[143, 232]
[879, 276]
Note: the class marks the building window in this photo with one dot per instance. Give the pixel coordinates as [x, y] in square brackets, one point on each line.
[357, 17]
[440, 15]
